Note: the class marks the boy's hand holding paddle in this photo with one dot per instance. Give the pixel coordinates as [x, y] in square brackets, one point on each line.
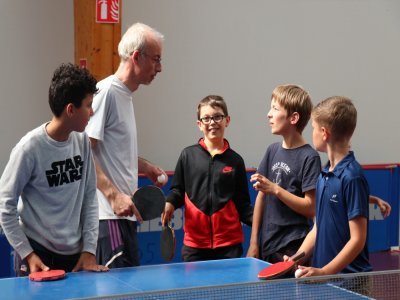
[167, 237]
[40, 272]
[281, 268]
[35, 263]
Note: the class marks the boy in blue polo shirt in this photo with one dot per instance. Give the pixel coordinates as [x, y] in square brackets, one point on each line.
[338, 240]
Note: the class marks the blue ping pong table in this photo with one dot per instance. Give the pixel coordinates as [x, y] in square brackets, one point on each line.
[225, 274]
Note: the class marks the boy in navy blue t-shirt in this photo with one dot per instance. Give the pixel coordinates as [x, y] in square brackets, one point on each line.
[285, 179]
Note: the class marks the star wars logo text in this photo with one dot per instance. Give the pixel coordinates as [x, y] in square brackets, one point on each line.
[65, 171]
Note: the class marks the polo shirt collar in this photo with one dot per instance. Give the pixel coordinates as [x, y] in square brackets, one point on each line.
[341, 166]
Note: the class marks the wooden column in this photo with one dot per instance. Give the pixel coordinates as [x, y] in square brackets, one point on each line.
[97, 43]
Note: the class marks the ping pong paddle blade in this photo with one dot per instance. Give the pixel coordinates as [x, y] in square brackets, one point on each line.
[280, 268]
[47, 275]
[167, 243]
[150, 201]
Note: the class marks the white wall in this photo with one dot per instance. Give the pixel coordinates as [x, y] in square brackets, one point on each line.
[239, 49]
[243, 49]
[35, 37]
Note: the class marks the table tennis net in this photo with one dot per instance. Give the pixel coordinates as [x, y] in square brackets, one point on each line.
[383, 285]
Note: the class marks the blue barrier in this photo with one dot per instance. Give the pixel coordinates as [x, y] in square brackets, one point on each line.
[383, 182]
[6, 257]
[383, 233]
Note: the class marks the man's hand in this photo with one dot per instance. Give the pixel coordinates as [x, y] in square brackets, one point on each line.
[152, 172]
[123, 206]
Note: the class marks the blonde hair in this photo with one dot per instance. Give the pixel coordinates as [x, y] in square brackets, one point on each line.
[338, 114]
[294, 99]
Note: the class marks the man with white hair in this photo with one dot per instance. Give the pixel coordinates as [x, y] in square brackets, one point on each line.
[112, 131]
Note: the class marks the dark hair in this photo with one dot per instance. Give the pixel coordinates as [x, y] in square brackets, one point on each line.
[70, 84]
[214, 101]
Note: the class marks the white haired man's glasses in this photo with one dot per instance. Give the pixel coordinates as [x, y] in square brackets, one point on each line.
[156, 59]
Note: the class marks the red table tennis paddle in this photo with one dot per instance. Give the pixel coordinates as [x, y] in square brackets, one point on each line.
[167, 242]
[150, 202]
[280, 268]
[47, 275]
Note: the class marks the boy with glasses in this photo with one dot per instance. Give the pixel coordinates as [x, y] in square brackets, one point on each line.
[210, 182]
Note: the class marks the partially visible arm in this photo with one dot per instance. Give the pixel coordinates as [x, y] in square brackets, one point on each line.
[176, 197]
[90, 221]
[253, 250]
[308, 244]
[89, 213]
[103, 183]
[152, 171]
[304, 206]
[358, 238]
[241, 195]
[166, 216]
[121, 203]
[15, 176]
[383, 205]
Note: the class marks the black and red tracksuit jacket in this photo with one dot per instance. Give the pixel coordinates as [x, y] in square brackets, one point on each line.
[215, 193]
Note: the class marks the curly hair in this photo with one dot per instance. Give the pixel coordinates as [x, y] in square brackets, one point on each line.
[70, 84]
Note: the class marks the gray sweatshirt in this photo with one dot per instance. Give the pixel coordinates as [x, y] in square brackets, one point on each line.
[48, 193]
